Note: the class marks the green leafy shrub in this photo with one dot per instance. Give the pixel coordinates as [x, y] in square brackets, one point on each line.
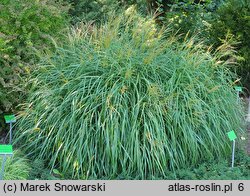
[90, 10]
[98, 10]
[188, 17]
[16, 167]
[24, 26]
[214, 170]
[121, 99]
[233, 17]
[214, 22]
[39, 171]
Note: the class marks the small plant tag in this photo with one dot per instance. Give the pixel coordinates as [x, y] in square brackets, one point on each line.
[238, 88]
[6, 150]
[231, 135]
[10, 118]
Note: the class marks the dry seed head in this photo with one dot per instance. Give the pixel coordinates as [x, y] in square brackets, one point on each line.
[153, 90]
[124, 89]
[128, 74]
[214, 89]
[108, 100]
[130, 11]
[76, 165]
[148, 135]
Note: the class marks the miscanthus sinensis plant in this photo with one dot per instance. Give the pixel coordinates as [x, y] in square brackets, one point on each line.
[125, 100]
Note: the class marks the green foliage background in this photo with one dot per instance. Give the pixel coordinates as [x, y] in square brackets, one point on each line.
[214, 22]
[98, 10]
[25, 26]
[233, 18]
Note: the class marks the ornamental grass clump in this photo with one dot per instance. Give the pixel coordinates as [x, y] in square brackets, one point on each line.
[125, 100]
[16, 167]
